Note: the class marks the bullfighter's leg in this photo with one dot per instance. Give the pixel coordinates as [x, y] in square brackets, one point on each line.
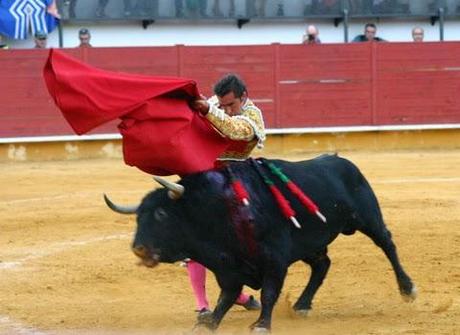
[319, 268]
[197, 276]
[226, 300]
[381, 236]
[271, 288]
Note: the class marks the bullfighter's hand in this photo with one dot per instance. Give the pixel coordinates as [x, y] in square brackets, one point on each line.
[200, 105]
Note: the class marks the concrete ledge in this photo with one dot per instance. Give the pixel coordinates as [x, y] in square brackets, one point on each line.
[367, 140]
[275, 144]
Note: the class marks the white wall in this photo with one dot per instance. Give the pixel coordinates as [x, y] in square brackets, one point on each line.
[227, 33]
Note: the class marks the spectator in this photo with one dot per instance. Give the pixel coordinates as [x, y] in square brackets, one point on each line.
[72, 5]
[370, 31]
[149, 7]
[85, 38]
[216, 9]
[418, 34]
[323, 7]
[257, 8]
[101, 4]
[311, 35]
[40, 40]
[192, 6]
[3, 45]
[100, 10]
[280, 10]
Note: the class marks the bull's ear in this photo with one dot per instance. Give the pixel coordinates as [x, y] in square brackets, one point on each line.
[175, 190]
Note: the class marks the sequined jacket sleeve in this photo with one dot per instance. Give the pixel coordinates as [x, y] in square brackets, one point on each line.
[245, 127]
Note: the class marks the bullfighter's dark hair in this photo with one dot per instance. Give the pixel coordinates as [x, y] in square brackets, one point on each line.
[230, 83]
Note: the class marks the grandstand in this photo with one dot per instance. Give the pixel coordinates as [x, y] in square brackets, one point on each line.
[155, 23]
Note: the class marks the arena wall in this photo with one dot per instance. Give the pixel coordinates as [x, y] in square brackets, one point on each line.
[318, 98]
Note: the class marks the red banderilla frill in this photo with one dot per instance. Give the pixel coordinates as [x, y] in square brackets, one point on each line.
[304, 199]
[238, 188]
[282, 202]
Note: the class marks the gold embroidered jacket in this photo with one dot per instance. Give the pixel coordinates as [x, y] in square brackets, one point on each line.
[246, 130]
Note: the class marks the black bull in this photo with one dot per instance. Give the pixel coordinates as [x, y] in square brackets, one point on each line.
[203, 224]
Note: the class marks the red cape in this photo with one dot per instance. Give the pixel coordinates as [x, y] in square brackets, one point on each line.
[161, 134]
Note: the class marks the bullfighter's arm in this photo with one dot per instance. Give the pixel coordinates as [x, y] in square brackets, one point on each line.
[244, 127]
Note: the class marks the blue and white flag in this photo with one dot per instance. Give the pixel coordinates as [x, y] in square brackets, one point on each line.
[18, 18]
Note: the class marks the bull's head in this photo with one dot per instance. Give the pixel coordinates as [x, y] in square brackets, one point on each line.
[156, 224]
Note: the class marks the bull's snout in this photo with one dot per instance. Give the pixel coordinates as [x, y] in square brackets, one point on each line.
[148, 258]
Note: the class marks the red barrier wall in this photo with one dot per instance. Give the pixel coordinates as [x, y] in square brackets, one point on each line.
[295, 85]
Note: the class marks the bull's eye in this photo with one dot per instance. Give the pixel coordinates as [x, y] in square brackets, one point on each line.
[160, 214]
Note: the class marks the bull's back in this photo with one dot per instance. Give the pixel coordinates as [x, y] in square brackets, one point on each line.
[326, 174]
[341, 192]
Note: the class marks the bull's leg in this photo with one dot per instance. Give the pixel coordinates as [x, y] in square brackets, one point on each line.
[381, 236]
[271, 288]
[319, 268]
[226, 300]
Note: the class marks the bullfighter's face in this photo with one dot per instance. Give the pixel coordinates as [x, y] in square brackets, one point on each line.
[231, 104]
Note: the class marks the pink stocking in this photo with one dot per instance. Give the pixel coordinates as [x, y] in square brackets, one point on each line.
[242, 299]
[197, 275]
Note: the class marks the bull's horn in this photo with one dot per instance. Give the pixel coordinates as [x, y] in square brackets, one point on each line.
[120, 209]
[175, 190]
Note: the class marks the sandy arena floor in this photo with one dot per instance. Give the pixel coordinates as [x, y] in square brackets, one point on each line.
[66, 265]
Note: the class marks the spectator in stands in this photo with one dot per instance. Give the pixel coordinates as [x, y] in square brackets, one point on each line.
[311, 35]
[418, 34]
[192, 6]
[280, 9]
[258, 8]
[128, 7]
[100, 10]
[85, 38]
[323, 7]
[148, 8]
[40, 39]
[216, 9]
[72, 5]
[3, 45]
[370, 31]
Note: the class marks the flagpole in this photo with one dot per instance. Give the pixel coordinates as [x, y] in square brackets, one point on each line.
[61, 37]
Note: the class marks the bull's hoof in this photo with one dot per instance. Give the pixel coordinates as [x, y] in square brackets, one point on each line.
[411, 296]
[302, 312]
[259, 330]
[201, 330]
[206, 319]
[204, 316]
[260, 326]
[204, 328]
